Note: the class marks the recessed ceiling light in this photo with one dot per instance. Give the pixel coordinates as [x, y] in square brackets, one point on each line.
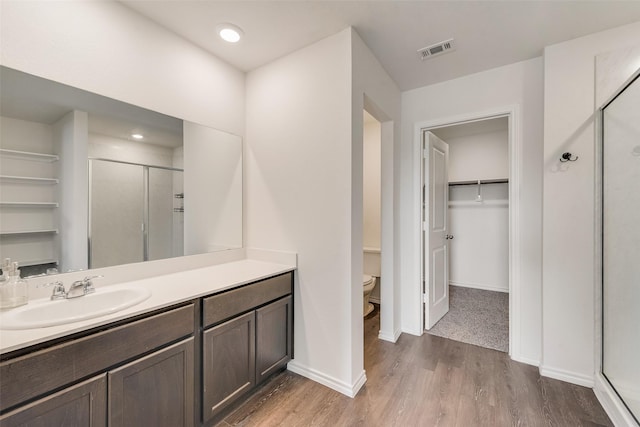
[229, 32]
[137, 136]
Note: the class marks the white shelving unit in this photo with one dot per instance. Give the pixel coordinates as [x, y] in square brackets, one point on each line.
[29, 204]
[27, 155]
[28, 179]
[24, 232]
[28, 227]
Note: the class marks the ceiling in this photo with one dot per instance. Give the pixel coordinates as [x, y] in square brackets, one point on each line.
[487, 34]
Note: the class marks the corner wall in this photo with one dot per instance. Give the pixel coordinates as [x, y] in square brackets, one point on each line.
[106, 48]
[303, 192]
[374, 90]
[569, 276]
[298, 194]
[516, 84]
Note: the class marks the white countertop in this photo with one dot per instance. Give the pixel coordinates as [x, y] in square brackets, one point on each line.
[165, 290]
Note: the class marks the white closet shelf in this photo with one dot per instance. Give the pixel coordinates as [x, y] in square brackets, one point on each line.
[473, 203]
[26, 155]
[482, 181]
[25, 232]
[29, 204]
[29, 179]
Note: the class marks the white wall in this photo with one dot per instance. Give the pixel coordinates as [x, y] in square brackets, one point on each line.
[480, 156]
[71, 141]
[106, 48]
[212, 189]
[371, 207]
[374, 90]
[298, 194]
[371, 185]
[520, 84]
[108, 147]
[303, 191]
[479, 252]
[569, 203]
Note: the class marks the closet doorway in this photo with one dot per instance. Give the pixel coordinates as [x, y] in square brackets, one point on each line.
[466, 232]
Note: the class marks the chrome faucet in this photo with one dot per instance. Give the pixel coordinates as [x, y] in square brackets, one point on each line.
[58, 291]
[77, 289]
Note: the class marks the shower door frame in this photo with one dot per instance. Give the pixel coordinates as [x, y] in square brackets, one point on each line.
[145, 204]
[606, 393]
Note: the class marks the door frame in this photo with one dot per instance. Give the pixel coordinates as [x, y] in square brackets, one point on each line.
[512, 112]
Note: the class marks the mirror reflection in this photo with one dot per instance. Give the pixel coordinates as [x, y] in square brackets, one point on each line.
[87, 181]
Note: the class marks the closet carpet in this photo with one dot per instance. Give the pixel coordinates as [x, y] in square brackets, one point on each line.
[476, 317]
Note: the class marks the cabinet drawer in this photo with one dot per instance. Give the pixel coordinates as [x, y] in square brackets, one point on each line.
[228, 304]
[37, 373]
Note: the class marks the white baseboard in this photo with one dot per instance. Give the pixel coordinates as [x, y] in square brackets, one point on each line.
[567, 376]
[526, 360]
[481, 286]
[611, 403]
[333, 383]
[417, 332]
[385, 336]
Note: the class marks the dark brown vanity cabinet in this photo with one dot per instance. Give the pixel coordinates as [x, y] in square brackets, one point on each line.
[156, 390]
[274, 331]
[83, 404]
[158, 369]
[228, 364]
[247, 337]
[154, 386]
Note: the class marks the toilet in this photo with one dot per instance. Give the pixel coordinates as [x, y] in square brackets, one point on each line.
[368, 283]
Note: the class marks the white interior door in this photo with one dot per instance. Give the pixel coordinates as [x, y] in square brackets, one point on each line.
[435, 226]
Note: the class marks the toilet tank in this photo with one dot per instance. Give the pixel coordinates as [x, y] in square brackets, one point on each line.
[371, 262]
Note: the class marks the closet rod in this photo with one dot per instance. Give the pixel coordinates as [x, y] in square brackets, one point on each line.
[482, 181]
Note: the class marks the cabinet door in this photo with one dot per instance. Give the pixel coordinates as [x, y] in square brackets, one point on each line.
[155, 390]
[273, 332]
[83, 404]
[228, 363]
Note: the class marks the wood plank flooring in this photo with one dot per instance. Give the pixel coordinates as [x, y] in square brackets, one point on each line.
[424, 381]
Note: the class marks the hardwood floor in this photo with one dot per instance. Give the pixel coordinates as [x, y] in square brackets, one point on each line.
[424, 381]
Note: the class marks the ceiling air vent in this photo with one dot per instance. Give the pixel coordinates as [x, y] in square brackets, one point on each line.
[436, 49]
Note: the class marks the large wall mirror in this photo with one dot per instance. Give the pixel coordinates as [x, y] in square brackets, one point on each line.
[621, 245]
[87, 181]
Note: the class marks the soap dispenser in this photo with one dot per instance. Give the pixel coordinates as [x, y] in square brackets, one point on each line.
[13, 290]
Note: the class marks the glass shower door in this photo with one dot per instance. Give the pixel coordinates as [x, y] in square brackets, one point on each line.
[621, 245]
[116, 213]
[166, 218]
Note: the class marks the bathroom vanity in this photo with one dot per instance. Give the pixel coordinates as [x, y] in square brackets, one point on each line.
[167, 363]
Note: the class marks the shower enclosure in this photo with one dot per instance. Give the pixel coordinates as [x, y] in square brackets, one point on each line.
[135, 212]
[621, 245]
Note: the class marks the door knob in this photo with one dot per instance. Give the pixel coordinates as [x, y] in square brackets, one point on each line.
[449, 237]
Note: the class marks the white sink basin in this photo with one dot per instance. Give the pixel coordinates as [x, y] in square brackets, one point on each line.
[44, 312]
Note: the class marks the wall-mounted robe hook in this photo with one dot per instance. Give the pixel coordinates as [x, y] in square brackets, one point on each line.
[566, 157]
